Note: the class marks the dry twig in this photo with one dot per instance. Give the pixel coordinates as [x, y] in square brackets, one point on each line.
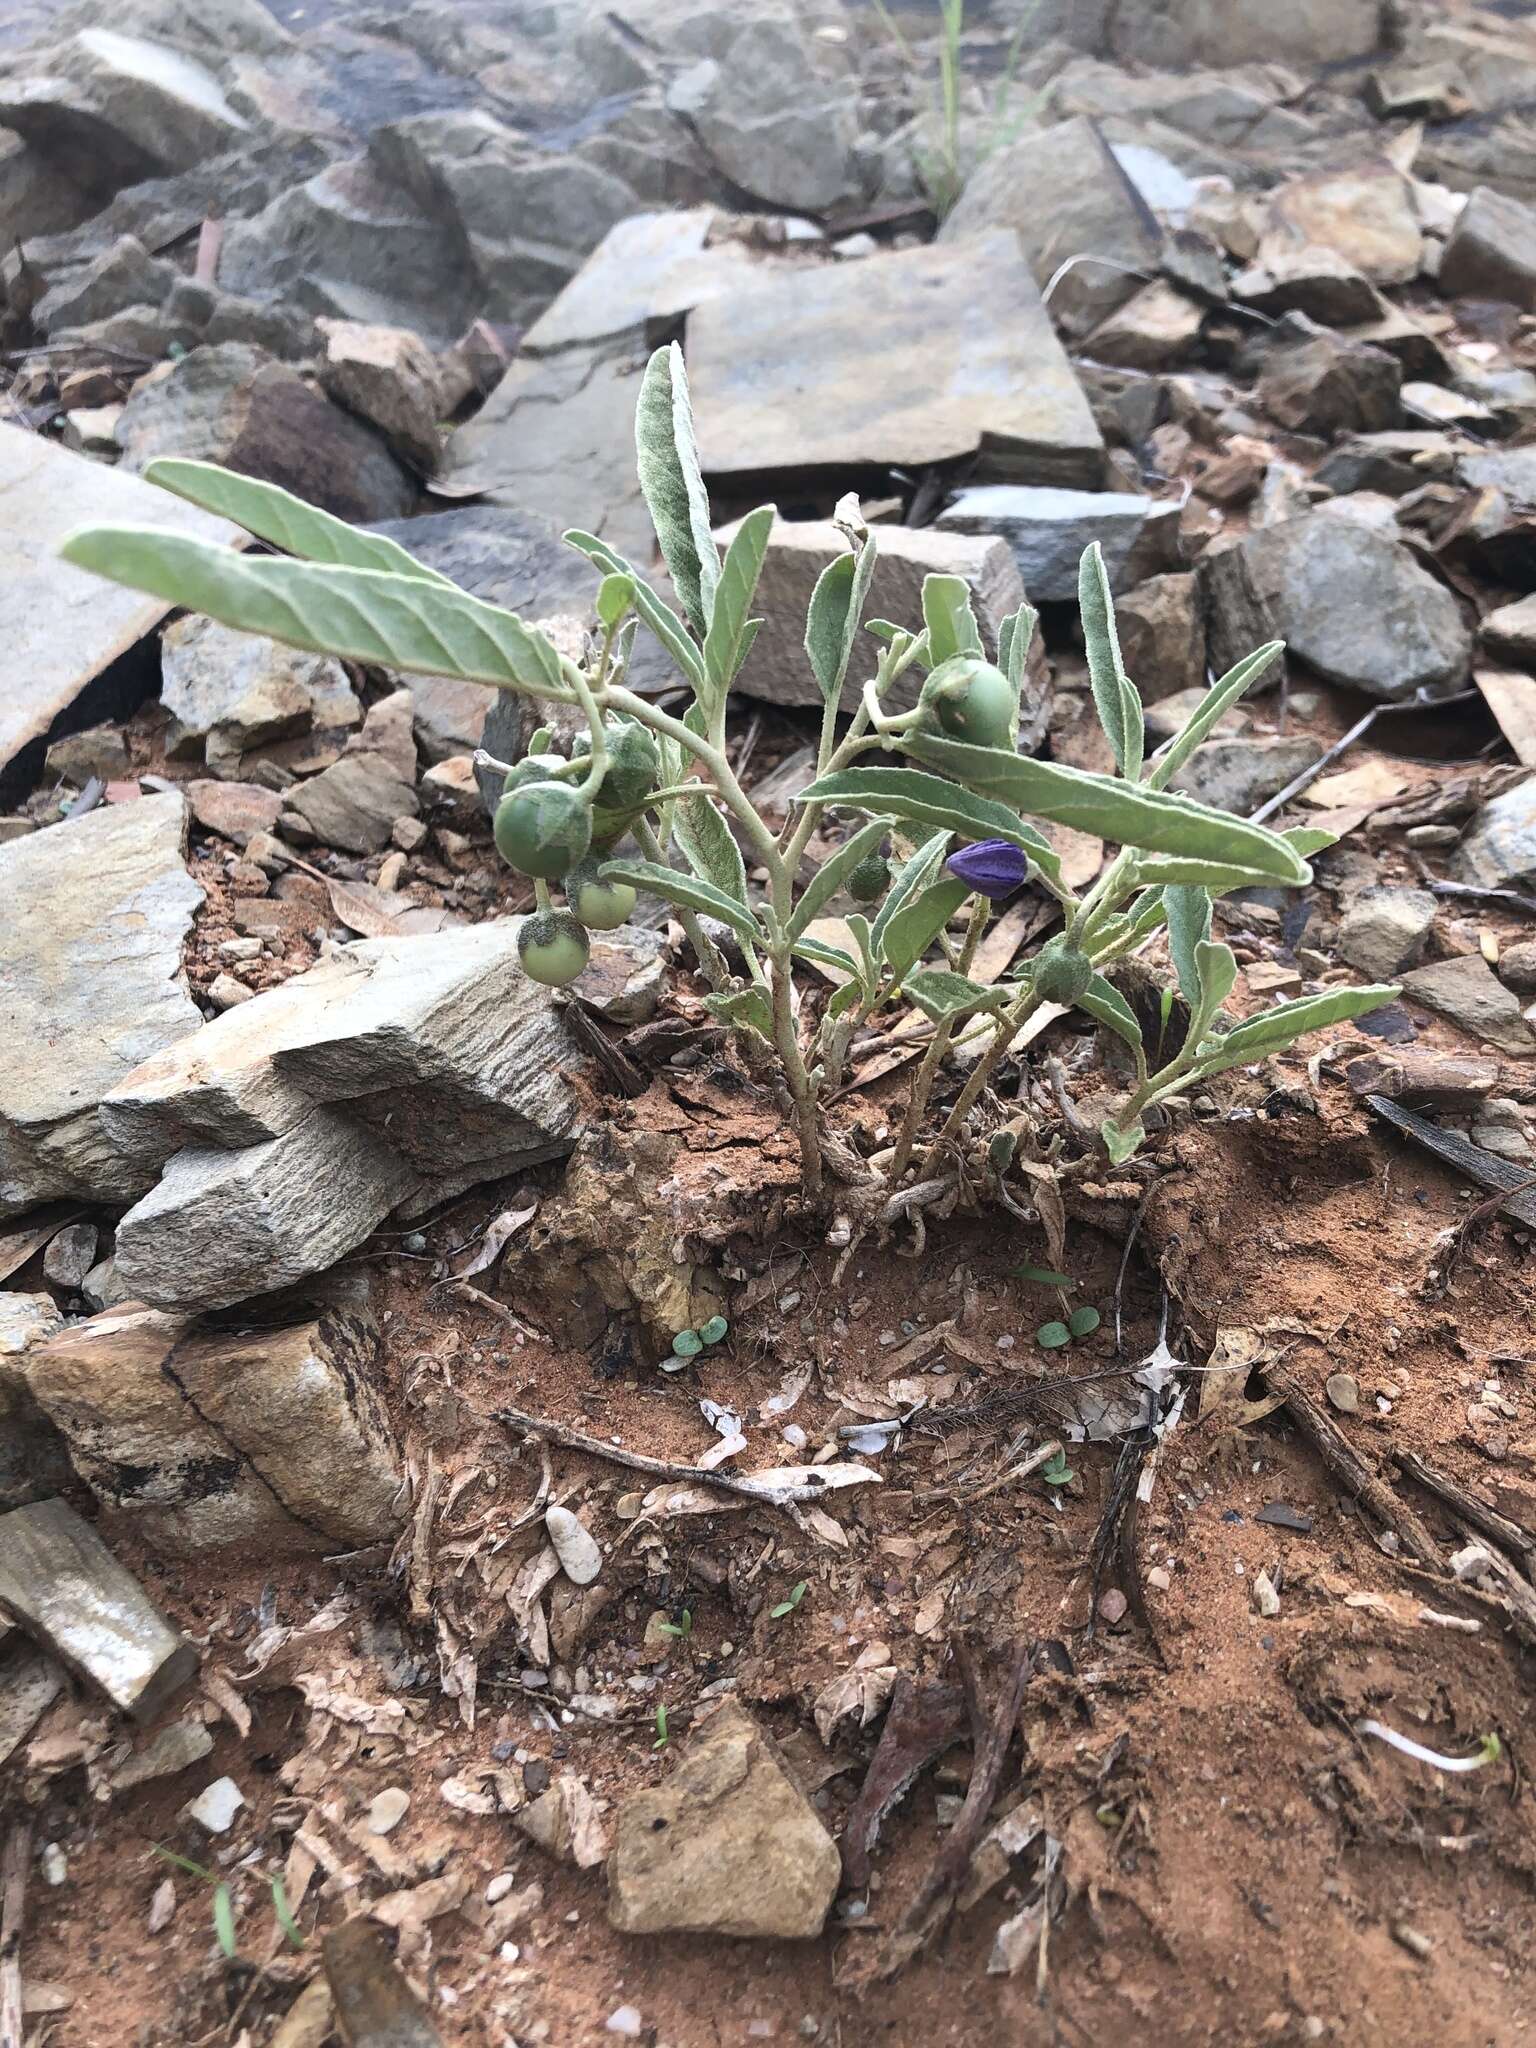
[14, 1864]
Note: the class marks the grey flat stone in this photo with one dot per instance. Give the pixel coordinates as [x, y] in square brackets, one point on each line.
[1384, 930]
[651, 267]
[1048, 529]
[1498, 849]
[1239, 774]
[1468, 992]
[62, 627]
[898, 360]
[91, 983]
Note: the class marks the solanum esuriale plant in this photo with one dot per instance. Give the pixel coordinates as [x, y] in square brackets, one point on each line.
[941, 783]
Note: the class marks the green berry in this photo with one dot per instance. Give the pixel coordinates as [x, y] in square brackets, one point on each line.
[1062, 973]
[532, 768]
[542, 828]
[552, 947]
[973, 701]
[633, 765]
[601, 906]
[867, 882]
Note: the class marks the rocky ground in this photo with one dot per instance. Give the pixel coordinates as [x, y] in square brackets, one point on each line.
[390, 1650]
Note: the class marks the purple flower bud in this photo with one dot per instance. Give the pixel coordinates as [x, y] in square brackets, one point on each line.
[993, 867]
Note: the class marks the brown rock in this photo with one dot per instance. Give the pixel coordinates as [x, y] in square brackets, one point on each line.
[352, 804]
[389, 377]
[1366, 214]
[1467, 991]
[234, 810]
[728, 1845]
[1491, 253]
[1327, 385]
[1156, 328]
[1162, 635]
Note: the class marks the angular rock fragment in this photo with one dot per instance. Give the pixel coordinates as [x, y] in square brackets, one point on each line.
[865, 365]
[1326, 384]
[653, 267]
[353, 803]
[1048, 530]
[1491, 252]
[1384, 930]
[389, 377]
[62, 627]
[90, 969]
[1468, 992]
[729, 1844]
[125, 274]
[1161, 624]
[798, 550]
[1309, 33]
[237, 691]
[203, 1438]
[769, 123]
[66, 1589]
[1152, 331]
[375, 2007]
[32, 1459]
[235, 405]
[1365, 214]
[1498, 850]
[1238, 775]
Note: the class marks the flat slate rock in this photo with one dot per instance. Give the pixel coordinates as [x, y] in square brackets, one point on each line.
[91, 984]
[1048, 529]
[653, 266]
[900, 360]
[60, 626]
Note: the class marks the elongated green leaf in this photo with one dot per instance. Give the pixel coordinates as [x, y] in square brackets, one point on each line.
[938, 993]
[832, 622]
[1273, 1030]
[689, 890]
[1309, 839]
[1219, 698]
[1189, 921]
[283, 1913]
[863, 938]
[1127, 812]
[1115, 696]
[747, 1008]
[662, 620]
[615, 596]
[952, 627]
[1013, 638]
[806, 948]
[709, 847]
[396, 621]
[224, 1921]
[284, 521]
[928, 800]
[724, 650]
[1105, 1005]
[915, 872]
[917, 924]
[667, 457]
[833, 873]
[1219, 878]
[1215, 973]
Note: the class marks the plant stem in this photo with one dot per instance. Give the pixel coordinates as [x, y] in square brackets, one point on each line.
[705, 951]
[787, 1045]
[1009, 1027]
[541, 895]
[938, 1046]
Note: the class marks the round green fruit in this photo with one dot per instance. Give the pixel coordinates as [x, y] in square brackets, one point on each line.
[542, 829]
[973, 701]
[532, 768]
[633, 765]
[601, 906]
[552, 947]
[868, 881]
[1062, 973]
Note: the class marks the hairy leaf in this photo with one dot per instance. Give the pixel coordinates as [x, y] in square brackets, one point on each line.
[832, 874]
[284, 521]
[1309, 839]
[689, 890]
[615, 596]
[807, 948]
[1219, 698]
[1127, 812]
[938, 993]
[1216, 973]
[727, 641]
[913, 929]
[1115, 696]
[395, 621]
[662, 620]
[1218, 878]
[832, 622]
[952, 627]
[1105, 1005]
[747, 1008]
[668, 461]
[1121, 1144]
[709, 846]
[915, 872]
[1189, 921]
[1273, 1030]
[928, 800]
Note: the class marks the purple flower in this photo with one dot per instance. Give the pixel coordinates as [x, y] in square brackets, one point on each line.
[993, 867]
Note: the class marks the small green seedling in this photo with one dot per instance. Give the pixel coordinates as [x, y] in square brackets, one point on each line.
[224, 1903]
[1077, 1322]
[682, 1630]
[661, 1728]
[689, 1343]
[797, 1594]
[1056, 1472]
[283, 1912]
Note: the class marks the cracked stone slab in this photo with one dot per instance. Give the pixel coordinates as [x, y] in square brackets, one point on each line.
[896, 361]
[62, 627]
[202, 1438]
[91, 981]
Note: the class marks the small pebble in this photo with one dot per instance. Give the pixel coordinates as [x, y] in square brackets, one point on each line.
[162, 1906]
[499, 1887]
[1265, 1598]
[625, 2019]
[1112, 1606]
[215, 1807]
[1343, 1391]
[53, 1863]
[389, 1808]
[414, 1242]
[581, 1558]
[225, 993]
[1159, 1578]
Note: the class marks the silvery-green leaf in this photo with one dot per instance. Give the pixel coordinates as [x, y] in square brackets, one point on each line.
[1216, 974]
[1121, 1145]
[1013, 638]
[1217, 877]
[662, 620]
[863, 938]
[689, 890]
[808, 948]
[833, 873]
[913, 929]
[1189, 921]
[939, 993]
[668, 461]
[399, 622]
[1219, 698]
[1104, 1003]
[1126, 812]
[709, 846]
[1273, 1030]
[726, 642]
[947, 614]
[1309, 839]
[748, 1009]
[1115, 696]
[615, 596]
[928, 800]
[284, 521]
[915, 872]
[832, 622]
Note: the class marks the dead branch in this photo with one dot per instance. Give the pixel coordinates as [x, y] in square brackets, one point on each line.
[14, 1865]
[1346, 1465]
[1487, 1521]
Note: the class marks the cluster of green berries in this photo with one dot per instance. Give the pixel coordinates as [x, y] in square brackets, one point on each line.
[549, 828]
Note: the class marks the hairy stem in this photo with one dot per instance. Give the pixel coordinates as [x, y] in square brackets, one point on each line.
[705, 951]
[1010, 1025]
[938, 1047]
[787, 1045]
